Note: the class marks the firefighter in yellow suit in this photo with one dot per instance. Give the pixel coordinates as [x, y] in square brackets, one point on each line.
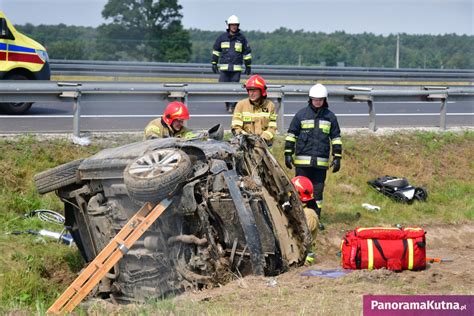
[171, 124]
[255, 114]
[304, 186]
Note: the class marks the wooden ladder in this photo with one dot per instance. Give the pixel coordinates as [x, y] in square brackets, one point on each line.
[108, 257]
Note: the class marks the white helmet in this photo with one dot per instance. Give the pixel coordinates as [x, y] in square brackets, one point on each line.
[318, 91]
[233, 19]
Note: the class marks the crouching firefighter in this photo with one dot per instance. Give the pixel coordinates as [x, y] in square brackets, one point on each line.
[171, 123]
[255, 114]
[313, 131]
[305, 192]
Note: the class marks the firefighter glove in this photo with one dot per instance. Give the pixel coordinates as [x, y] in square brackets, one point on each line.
[336, 165]
[248, 70]
[215, 69]
[288, 161]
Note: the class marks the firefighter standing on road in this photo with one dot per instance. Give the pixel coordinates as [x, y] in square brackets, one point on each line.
[255, 114]
[313, 131]
[230, 51]
[305, 192]
[171, 124]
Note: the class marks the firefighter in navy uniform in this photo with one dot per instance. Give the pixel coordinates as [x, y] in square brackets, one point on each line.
[313, 131]
[171, 124]
[230, 51]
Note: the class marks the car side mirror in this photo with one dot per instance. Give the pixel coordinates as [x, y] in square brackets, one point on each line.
[216, 132]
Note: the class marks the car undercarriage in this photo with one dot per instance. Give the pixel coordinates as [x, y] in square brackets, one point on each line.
[233, 212]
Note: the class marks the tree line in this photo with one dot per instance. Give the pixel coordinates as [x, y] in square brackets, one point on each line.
[280, 47]
[151, 30]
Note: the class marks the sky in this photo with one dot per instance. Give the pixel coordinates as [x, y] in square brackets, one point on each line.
[352, 16]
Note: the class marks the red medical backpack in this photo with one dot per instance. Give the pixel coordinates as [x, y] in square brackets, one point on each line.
[384, 247]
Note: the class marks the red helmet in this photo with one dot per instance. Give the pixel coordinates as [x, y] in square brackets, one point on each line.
[304, 187]
[257, 82]
[175, 111]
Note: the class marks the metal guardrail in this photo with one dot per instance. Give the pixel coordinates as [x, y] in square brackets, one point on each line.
[195, 70]
[15, 91]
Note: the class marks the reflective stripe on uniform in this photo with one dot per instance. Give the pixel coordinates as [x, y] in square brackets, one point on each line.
[270, 134]
[237, 123]
[238, 68]
[273, 117]
[336, 141]
[410, 254]
[272, 124]
[247, 116]
[289, 151]
[237, 114]
[307, 124]
[225, 44]
[325, 126]
[256, 114]
[370, 248]
[248, 56]
[262, 114]
[223, 67]
[215, 52]
[338, 155]
[302, 160]
[319, 203]
[190, 135]
[238, 47]
[324, 162]
[291, 137]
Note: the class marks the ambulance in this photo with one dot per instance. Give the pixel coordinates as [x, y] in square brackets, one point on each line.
[21, 58]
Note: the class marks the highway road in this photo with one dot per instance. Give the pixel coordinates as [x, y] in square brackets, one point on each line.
[126, 116]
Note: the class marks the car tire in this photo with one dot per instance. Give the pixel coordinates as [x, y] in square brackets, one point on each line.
[156, 174]
[400, 197]
[15, 108]
[421, 194]
[58, 177]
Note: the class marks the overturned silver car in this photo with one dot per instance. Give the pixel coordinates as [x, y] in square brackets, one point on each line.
[234, 212]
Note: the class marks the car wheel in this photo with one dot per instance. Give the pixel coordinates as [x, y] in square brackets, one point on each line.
[421, 194]
[15, 108]
[155, 175]
[400, 197]
[58, 177]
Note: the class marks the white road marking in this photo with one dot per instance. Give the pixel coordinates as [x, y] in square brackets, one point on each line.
[216, 115]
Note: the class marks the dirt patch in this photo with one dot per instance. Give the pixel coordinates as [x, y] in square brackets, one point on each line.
[291, 293]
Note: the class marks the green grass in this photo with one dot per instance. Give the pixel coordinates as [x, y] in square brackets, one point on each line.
[34, 271]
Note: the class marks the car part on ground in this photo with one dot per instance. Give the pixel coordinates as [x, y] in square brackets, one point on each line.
[398, 189]
[234, 212]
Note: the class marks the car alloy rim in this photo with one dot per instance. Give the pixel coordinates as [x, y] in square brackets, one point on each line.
[155, 163]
